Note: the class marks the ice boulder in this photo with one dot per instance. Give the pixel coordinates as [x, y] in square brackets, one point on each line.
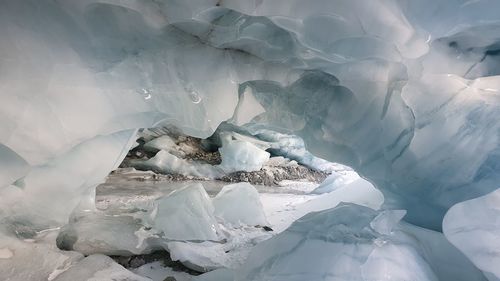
[12, 166]
[164, 142]
[32, 259]
[340, 244]
[238, 204]
[334, 181]
[187, 214]
[99, 233]
[98, 268]
[165, 162]
[474, 228]
[241, 155]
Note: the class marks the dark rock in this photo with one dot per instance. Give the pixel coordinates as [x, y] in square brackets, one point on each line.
[267, 228]
[161, 256]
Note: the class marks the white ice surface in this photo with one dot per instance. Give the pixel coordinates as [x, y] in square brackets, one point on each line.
[157, 272]
[474, 228]
[248, 107]
[161, 143]
[36, 259]
[335, 180]
[187, 214]
[166, 162]
[98, 268]
[340, 244]
[241, 155]
[239, 204]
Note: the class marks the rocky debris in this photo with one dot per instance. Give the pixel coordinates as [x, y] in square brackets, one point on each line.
[212, 158]
[135, 175]
[161, 256]
[206, 151]
[268, 175]
[187, 147]
[274, 175]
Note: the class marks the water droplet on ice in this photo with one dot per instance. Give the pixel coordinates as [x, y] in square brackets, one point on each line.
[145, 93]
[194, 96]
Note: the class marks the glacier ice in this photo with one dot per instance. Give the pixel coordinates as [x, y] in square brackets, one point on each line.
[378, 109]
[12, 166]
[222, 274]
[38, 195]
[405, 92]
[166, 162]
[238, 204]
[187, 214]
[161, 143]
[98, 268]
[346, 247]
[359, 192]
[473, 227]
[37, 259]
[334, 181]
[241, 155]
[96, 233]
[248, 108]
[237, 153]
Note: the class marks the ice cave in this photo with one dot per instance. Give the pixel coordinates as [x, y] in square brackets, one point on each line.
[250, 140]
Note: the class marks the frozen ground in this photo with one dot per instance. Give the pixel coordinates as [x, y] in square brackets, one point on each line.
[282, 205]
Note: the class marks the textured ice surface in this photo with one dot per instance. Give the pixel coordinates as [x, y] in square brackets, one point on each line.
[167, 162]
[12, 166]
[334, 181]
[340, 244]
[39, 194]
[219, 275]
[98, 268]
[358, 192]
[283, 144]
[238, 153]
[161, 143]
[238, 204]
[34, 259]
[187, 214]
[248, 107]
[405, 112]
[241, 155]
[405, 92]
[101, 233]
[473, 227]
[157, 272]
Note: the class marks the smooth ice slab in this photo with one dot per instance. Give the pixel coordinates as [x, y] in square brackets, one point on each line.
[341, 244]
[474, 227]
[239, 204]
[241, 155]
[98, 268]
[101, 233]
[12, 166]
[33, 259]
[186, 214]
[334, 181]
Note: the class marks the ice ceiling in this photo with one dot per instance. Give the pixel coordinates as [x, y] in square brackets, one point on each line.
[406, 92]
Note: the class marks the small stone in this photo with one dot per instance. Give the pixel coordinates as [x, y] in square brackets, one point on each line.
[267, 228]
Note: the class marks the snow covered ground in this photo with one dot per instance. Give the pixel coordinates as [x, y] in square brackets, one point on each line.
[282, 205]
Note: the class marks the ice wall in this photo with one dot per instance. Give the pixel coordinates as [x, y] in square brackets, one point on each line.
[406, 92]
